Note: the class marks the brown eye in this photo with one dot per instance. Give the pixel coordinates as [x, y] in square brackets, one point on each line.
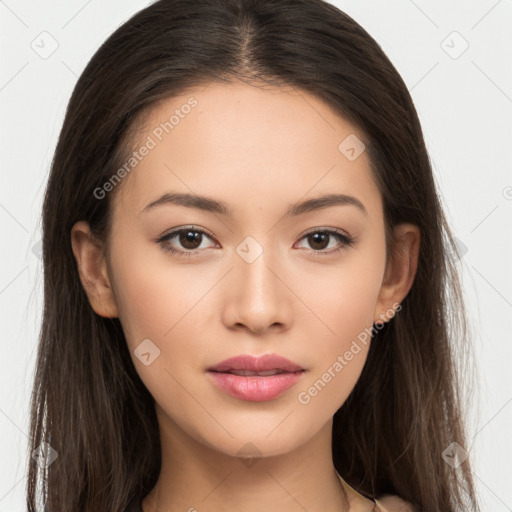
[319, 240]
[189, 239]
[184, 241]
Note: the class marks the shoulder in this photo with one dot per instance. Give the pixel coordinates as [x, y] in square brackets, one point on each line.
[392, 503]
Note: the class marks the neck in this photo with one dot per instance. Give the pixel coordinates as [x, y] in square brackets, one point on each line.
[194, 476]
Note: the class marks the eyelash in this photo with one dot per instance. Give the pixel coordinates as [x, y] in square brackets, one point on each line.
[346, 240]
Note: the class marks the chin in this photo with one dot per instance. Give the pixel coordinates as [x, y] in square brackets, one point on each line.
[257, 442]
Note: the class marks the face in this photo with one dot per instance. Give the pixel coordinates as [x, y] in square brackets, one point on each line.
[251, 275]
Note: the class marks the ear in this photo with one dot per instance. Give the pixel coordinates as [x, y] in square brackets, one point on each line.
[400, 271]
[92, 268]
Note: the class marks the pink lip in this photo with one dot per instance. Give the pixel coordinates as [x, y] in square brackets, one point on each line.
[255, 388]
[256, 364]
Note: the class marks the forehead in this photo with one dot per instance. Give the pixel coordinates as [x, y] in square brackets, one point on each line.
[245, 145]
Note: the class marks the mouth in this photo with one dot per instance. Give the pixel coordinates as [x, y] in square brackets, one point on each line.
[249, 373]
[255, 379]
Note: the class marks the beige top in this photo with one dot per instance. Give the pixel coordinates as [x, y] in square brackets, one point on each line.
[387, 503]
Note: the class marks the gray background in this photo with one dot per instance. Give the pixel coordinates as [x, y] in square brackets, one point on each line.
[464, 100]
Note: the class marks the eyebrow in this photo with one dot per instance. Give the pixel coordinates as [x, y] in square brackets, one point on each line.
[211, 205]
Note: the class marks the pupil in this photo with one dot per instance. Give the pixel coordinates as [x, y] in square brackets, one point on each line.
[317, 238]
[189, 237]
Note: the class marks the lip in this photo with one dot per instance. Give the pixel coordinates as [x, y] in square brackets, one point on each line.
[256, 364]
[255, 388]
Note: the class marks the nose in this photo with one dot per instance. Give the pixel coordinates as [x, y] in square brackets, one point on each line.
[257, 296]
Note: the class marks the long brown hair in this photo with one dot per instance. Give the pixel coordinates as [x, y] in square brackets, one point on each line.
[88, 401]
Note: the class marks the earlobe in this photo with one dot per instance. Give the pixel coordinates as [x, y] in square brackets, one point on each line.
[400, 271]
[92, 269]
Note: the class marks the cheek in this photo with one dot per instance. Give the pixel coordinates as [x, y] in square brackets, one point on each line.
[344, 296]
[344, 299]
[154, 295]
[166, 304]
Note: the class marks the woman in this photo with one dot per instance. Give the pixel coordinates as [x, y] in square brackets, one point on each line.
[298, 357]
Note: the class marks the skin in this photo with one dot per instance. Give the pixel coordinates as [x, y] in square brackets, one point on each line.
[259, 151]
